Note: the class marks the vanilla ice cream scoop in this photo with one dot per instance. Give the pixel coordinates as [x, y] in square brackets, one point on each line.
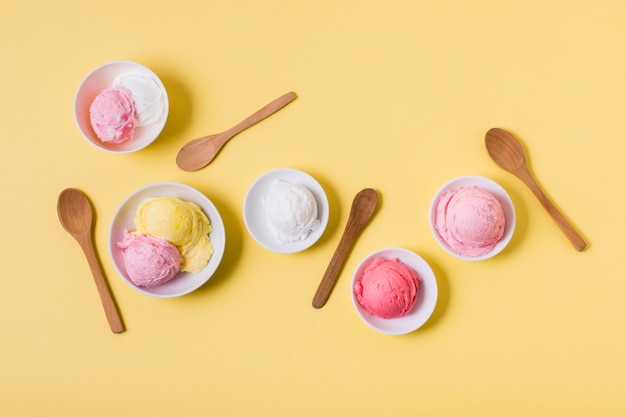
[183, 224]
[291, 211]
[146, 94]
[470, 221]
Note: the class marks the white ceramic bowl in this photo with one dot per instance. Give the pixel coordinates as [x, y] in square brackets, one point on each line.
[97, 80]
[426, 299]
[255, 217]
[498, 192]
[184, 282]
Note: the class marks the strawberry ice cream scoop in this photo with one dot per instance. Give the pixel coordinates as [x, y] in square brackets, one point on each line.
[149, 261]
[387, 288]
[470, 221]
[112, 115]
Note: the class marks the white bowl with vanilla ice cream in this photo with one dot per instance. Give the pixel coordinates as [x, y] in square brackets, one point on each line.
[286, 210]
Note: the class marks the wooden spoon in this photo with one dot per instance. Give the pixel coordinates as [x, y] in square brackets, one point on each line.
[363, 207]
[200, 152]
[76, 218]
[508, 153]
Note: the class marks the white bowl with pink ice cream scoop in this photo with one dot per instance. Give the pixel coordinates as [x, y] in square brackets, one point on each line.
[394, 291]
[166, 239]
[472, 218]
[121, 107]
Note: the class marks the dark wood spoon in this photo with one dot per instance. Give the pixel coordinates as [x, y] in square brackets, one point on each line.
[363, 207]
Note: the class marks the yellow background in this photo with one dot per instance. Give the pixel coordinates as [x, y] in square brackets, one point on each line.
[396, 96]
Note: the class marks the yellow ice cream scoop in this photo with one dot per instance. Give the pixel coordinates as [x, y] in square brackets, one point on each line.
[183, 224]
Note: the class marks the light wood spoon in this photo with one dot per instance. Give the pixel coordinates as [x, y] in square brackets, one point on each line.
[76, 218]
[200, 152]
[363, 207]
[508, 153]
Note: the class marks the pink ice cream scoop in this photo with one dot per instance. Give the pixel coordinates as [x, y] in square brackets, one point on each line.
[387, 288]
[149, 261]
[112, 115]
[469, 220]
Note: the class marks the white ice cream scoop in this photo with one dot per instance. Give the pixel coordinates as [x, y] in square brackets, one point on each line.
[146, 94]
[291, 211]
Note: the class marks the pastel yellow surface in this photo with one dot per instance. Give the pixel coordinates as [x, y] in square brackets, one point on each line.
[396, 96]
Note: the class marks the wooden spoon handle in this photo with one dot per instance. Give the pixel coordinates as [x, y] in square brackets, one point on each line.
[363, 207]
[110, 308]
[262, 113]
[572, 235]
[332, 271]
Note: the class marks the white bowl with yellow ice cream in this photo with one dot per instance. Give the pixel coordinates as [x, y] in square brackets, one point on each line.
[180, 215]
